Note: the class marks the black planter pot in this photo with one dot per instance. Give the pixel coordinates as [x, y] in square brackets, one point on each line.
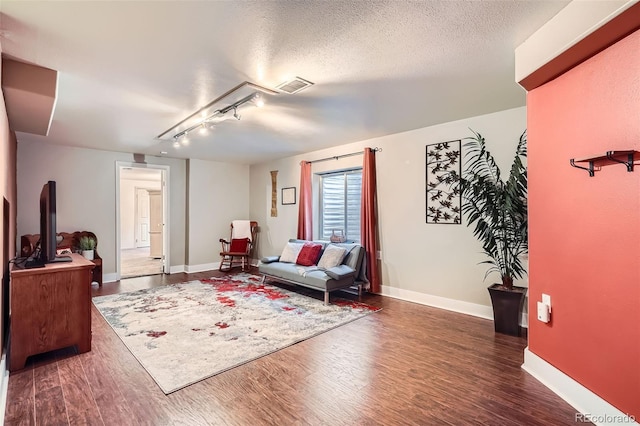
[507, 308]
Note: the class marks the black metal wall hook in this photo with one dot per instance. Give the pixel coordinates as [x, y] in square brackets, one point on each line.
[590, 169]
[611, 155]
[597, 161]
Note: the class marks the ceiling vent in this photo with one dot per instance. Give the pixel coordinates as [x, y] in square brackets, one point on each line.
[294, 85]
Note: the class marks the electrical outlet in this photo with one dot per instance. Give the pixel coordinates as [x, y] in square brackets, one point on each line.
[546, 299]
[379, 254]
[543, 312]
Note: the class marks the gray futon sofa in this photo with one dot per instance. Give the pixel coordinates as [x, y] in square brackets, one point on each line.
[350, 273]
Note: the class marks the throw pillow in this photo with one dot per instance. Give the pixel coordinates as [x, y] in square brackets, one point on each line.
[332, 256]
[290, 252]
[239, 245]
[309, 254]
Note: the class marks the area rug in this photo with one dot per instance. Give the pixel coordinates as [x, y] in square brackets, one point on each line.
[187, 332]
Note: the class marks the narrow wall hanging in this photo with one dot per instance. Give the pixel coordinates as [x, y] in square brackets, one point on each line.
[443, 182]
[274, 193]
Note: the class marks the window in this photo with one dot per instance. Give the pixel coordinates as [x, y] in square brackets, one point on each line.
[340, 203]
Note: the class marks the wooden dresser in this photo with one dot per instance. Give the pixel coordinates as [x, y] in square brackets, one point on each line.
[50, 308]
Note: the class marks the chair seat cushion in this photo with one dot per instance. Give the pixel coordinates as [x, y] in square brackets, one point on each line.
[233, 253]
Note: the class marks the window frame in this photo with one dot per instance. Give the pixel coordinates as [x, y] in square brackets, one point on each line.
[343, 172]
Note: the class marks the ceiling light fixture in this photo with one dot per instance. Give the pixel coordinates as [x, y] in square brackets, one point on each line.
[204, 128]
[210, 114]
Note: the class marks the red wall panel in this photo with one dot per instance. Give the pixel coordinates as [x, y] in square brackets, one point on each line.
[585, 231]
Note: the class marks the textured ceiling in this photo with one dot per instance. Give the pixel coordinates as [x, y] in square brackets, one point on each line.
[130, 70]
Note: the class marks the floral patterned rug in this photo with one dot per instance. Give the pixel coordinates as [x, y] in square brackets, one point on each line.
[187, 332]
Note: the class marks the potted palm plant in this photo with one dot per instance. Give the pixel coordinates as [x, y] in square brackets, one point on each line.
[87, 245]
[498, 211]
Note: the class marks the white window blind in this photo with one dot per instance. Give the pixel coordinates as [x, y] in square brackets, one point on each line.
[340, 204]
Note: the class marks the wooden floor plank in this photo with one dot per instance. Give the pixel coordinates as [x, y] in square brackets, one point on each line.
[111, 402]
[407, 364]
[78, 396]
[20, 408]
[50, 407]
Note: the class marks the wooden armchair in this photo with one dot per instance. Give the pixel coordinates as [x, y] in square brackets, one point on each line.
[66, 241]
[237, 250]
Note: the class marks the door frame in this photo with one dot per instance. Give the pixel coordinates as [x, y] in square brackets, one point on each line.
[164, 177]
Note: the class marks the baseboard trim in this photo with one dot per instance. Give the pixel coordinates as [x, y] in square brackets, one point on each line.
[4, 385]
[211, 266]
[459, 306]
[587, 404]
[202, 267]
[109, 278]
[176, 269]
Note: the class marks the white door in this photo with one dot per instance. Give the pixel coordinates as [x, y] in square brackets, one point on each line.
[142, 218]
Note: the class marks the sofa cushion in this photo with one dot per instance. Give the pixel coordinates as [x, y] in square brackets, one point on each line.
[309, 254]
[332, 256]
[340, 272]
[290, 252]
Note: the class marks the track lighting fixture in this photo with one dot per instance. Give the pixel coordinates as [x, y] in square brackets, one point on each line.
[211, 114]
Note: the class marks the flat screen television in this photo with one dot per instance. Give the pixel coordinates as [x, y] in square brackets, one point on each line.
[48, 242]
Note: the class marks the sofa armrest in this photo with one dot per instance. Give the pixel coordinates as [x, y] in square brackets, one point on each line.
[270, 259]
[340, 272]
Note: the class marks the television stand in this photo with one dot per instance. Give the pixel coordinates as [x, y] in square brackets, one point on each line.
[50, 308]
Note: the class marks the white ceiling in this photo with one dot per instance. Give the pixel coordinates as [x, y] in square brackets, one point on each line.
[128, 71]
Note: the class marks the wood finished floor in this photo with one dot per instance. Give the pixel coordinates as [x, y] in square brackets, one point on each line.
[405, 365]
[137, 262]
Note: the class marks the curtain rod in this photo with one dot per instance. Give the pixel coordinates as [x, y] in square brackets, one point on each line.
[336, 157]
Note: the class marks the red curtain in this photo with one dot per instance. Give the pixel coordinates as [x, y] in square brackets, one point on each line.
[369, 223]
[305, 209]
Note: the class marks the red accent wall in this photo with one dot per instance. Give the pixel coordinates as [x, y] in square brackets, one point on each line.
[585, 231]
[8, 150]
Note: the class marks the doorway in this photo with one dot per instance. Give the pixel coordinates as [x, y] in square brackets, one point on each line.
[142, 220]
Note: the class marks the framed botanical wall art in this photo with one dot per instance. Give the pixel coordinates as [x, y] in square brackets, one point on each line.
[443, 182]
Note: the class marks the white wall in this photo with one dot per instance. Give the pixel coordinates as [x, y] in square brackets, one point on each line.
[128, 208]
[218, 194]
[417, 258]
[86, 197]
[437, 260]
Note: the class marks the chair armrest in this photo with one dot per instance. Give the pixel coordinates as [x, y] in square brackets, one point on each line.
[340, 272]
[270, 259]
[223, 241]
